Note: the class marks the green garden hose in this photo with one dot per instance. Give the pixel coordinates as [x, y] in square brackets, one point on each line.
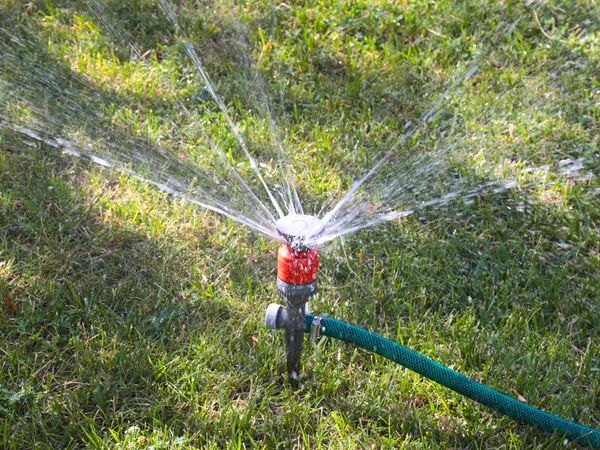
[455, 381]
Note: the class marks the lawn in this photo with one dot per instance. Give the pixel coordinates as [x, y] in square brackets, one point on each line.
[131, 318]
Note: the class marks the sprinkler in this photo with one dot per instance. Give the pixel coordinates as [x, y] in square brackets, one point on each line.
[297, 265]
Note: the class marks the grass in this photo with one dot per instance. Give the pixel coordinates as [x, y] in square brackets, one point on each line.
[130, 319]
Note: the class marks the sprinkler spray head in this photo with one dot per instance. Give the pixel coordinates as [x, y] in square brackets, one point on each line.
[299, 230]
[297, 266]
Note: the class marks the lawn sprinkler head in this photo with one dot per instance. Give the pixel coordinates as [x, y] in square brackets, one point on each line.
[299, 230]
[297, 265]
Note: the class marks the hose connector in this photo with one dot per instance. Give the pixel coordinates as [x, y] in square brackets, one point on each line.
[315, 328]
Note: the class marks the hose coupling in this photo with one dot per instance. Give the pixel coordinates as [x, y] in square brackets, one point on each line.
[315, 328]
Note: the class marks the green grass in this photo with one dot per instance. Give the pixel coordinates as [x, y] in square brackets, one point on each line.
[130, 319]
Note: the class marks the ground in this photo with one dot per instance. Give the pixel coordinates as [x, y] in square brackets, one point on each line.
[132, 319]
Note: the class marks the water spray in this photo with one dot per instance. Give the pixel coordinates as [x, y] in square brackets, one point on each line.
[297, 265]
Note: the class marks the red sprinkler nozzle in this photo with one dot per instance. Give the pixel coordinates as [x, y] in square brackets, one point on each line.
[297, 267]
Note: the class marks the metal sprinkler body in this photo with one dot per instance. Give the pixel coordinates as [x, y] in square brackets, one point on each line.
[297, 266]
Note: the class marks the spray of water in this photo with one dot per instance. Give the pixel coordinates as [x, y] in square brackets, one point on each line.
[425, 166]
[44, 102]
